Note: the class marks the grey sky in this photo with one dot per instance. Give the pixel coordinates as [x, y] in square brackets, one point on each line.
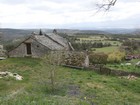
[68, 14]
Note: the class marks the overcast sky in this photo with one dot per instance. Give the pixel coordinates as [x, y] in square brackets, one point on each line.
[78, 14]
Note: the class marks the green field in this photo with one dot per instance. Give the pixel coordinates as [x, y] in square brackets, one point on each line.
[113, 43]
[129, 68]
[94, 38]
[72, 87]
[106, 49]
[138, 39]
[98, 39]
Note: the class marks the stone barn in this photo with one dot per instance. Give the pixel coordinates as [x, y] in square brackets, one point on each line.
[38, 45]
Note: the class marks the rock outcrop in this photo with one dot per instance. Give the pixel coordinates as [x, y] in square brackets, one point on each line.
[9, 74]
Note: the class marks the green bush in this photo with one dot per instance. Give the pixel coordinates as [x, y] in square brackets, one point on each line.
[116, 57]
[98, 58]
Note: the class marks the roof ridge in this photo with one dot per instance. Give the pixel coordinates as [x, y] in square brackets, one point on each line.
[34, 38]
[54, 40]
[31, 36]
[49, 43]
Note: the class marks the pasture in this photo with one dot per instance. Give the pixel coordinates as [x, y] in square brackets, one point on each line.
[106, 49]
[98, 39]
[93, 38]
[129, 68]
[137, 39]
[72, 86]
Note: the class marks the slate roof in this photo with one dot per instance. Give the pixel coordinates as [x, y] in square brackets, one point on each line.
[52, 41]
[58, 38]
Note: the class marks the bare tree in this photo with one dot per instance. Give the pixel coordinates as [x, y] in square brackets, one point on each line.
[52, 60]
[106, 5]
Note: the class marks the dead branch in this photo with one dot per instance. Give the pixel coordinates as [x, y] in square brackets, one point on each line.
[107, 6]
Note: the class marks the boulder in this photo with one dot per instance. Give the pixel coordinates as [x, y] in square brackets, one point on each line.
[128, 64]
[138, 63]
[15, 75]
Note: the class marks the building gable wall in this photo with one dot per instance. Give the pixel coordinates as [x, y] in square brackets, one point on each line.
[37, 49]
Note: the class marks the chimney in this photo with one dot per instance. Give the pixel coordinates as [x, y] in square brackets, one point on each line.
[40, 32]
[55, 31]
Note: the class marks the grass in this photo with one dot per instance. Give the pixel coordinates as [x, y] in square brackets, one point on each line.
[99, 39]
[93, 38]
[107, 49]
[72, 87]
[138, 39]
[129, 68]
[113, 43]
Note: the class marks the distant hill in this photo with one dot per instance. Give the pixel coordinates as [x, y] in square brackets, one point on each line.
[123, 31]
[136, 32]
[83, 32]
[10, 34]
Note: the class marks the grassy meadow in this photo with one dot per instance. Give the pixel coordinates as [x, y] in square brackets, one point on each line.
[114, 45]
[122, 66]
[72, 87]
[137, 39]
[106, 49]
[93, 38]
[97, 39]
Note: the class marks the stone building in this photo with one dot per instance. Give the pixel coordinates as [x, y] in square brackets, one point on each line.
[38, 45]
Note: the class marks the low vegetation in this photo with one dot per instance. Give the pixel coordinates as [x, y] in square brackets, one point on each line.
[45, 82]
[106, 49]
[72, 87]
[124, 67]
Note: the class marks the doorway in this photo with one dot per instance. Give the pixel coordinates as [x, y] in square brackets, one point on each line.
[28, 48]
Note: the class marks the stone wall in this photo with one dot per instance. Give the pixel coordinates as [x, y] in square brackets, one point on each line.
[105, 71]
